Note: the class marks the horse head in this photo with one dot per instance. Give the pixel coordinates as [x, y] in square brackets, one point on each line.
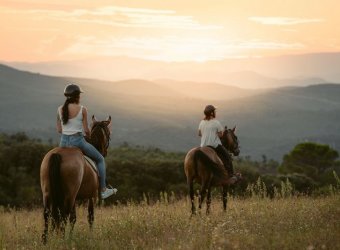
[230, 141]
[100, 134]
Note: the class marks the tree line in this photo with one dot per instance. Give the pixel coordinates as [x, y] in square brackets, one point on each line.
[144, 173]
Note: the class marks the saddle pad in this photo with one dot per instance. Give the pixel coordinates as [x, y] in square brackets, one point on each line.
[92, 163]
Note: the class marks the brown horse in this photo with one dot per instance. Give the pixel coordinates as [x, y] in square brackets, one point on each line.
[65, 176]
[203, 165]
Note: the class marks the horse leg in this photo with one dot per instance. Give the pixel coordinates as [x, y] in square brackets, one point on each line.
[90, 210]
[192, 196]
[208, 199]
[73, 218]
[225, 197]
[55, 218]
[67, 213]
[202, 194]
[47, 214]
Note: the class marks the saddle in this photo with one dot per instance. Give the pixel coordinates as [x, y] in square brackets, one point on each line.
[211, 153]
[92, 164]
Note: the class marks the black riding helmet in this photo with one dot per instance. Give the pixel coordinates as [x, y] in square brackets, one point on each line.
[72, 89]
[209, 109]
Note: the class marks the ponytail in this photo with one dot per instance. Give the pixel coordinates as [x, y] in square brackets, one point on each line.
[64, 111]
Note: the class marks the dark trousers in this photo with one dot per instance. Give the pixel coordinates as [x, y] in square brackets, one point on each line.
[226, 158]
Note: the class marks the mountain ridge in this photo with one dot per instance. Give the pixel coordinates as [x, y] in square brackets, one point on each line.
[269, 122]
[302, 70]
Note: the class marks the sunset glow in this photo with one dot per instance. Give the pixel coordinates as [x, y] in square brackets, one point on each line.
[167, 30]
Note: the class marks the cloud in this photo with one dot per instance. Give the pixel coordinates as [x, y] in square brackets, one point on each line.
[269, 45]
[168, 48]
[284, 20]
[173, 48]
[121, 17]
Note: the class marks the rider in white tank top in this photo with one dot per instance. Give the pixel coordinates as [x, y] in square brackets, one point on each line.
[72, 134]
[74, 125]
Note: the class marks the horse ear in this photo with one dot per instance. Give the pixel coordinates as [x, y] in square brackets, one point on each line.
[234, 129]
[108, 121]
[225, 127]
[94, 118]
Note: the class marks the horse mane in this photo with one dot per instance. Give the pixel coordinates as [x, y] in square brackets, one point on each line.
[100, 140]
[95, 140]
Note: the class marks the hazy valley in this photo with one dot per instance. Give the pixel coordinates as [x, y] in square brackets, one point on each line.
[165, 113]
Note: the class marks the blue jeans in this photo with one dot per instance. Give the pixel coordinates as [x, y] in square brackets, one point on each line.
[78, 140]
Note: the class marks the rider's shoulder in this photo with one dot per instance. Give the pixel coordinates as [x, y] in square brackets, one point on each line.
[216, 121]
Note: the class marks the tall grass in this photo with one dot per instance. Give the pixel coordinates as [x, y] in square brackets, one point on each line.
[286, 222]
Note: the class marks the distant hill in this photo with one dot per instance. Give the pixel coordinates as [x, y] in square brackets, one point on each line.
[208, 90]
[251, 79]
[166, 113]
[266, 72]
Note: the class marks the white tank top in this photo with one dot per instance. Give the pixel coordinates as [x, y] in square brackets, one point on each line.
[73, 125]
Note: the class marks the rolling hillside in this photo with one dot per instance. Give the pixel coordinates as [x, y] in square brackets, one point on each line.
[267, 72]
[165, 113]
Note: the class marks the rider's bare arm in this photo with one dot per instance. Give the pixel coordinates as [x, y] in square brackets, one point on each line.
[220, 134]
[85, 124]
[59, 130]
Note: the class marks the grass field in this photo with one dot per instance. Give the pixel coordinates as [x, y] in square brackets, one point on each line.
[254, 223]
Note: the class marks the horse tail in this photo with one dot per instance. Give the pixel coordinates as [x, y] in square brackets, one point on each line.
[56, 193]
[200, 156]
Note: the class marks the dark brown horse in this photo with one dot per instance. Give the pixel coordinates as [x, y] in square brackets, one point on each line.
[65, 176]
[202, 165]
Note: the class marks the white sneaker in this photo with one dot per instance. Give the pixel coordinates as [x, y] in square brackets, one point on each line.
[107, 193]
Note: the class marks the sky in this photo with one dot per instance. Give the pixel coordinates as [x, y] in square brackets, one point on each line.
[166, 30]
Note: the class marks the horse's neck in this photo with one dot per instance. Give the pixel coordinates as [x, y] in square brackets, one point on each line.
[99, 143]
[229, 141]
